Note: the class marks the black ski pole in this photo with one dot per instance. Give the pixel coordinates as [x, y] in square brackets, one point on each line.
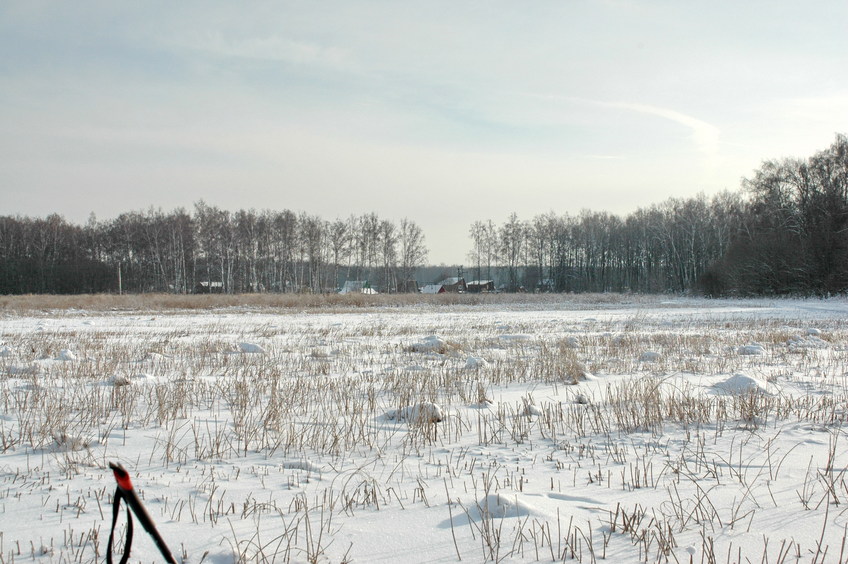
[125, 490]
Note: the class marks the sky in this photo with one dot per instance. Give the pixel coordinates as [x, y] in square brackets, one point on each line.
[441, 112]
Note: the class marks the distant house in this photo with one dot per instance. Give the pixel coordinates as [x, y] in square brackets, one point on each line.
[209, 288]
[454, 284]
[357, 287]
[433, 289]
[478, 286]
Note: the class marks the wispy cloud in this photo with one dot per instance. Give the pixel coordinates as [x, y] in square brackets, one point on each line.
[268, 48]
[705, 135]
[554, 108]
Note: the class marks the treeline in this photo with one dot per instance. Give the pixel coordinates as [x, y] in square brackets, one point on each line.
[663, 248]
[785, 232]
[211, 250]
[793, 237]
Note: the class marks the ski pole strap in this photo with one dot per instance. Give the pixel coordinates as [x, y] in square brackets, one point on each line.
[126, 492]
[116, 508]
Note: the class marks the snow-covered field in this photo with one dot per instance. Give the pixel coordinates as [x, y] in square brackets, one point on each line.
[629, 429]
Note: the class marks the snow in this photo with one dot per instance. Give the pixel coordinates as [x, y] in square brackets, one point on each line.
[743, 384]
[650, 356]
[424, 412]
[432, 433]
[474, 362]
[571, 341]
[120, 380]
[66, 355]
[251, 348]
[810, 342]
[753, 349]
[530, 407]
[430, 344]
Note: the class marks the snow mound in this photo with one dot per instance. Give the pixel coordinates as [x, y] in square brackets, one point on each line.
[119, 380]
[743, 384]
[5, 352]
[424, 412]
[649, 356]
[753, 349]
[474, 362]
[530, 408]
[810, 342]
[501, 506]
[430, 344]
[66, 355]
[251, 348]
[621, 340]
[570, 342]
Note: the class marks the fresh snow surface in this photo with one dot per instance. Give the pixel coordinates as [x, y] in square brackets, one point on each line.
[708, 431]
[251, 348]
